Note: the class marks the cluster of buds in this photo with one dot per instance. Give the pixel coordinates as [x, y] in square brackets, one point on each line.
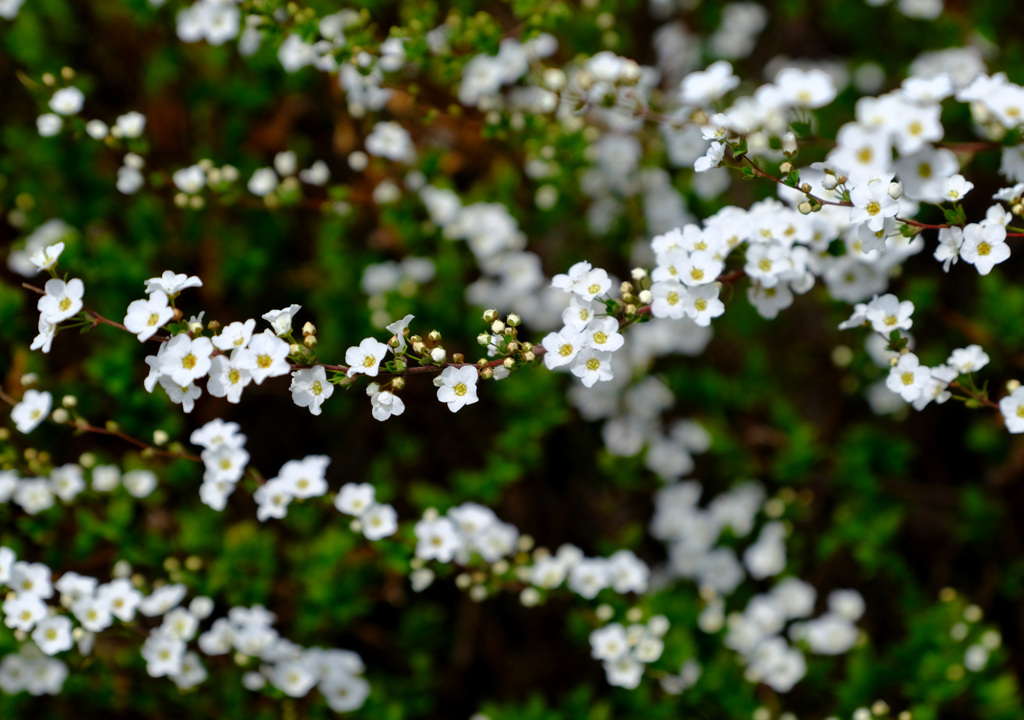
[502, 341]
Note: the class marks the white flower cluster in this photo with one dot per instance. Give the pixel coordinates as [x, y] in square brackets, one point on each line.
[224, 458]
[96, 607]
[43, 242]
[290, 668]
[483, 75]
[625, 650]
[471, 529]
[756, 634]
[36, 494]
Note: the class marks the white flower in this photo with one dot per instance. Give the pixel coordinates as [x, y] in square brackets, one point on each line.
[46, 257]
[186, 359]
[398, 328]
[53, 634]
[391, 140]
[266, 356]
[235, 335]
[310, 388]
[957, 187]
[887, 313]
[384, 403]
[281, 320]
[366, 357]
[702, 304]
[969, 359]
[34, 495]
[305, 478]
[67, 481]
[47, 331]
[592, 366]
[984, 246]
[948, 250]
[379, 521]
[172, 284]
[189, 180]
[139, 483]
[355, 498]
[609, 642]
[62, 300]
[67, 101]
[23, 610]
[670, 300]
[145, 317]
[184, 395]
[908, 378]
[263, 182]
[317, 174]
[705, 86]
[436, 539]
[227, 379]
[457, 387]
[561, 347]
[711, 159]
[872, 203]
[272, 499]
[163, 655]
[130, 125]
[122, 598]
[1012, 408]
[216, 433]
[33, 409]
[49, 124]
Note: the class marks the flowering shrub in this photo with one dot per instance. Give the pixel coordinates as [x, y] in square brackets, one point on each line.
[522, 360]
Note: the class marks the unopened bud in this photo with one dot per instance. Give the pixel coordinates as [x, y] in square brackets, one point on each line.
[458, 358]
[398, 383]
[1012, 385]
[513, 320]
[160, 437]
[805, 208]
[490, 316]
[527, 346]
[394, 342]
[829, 182]
[113, 427]
[213, 326]
[497, 327]
[805, 188]
[178, 314]
[309, 341]
[294, 349]
[483, 339]
[512, 347]
[895, 189]
[434, 336]
[509, 363]
[60, 415]
[309, 329]
[786, 168]
[481, 363]
[1017, 209]
[438, 354]
[69, 401]
[626, 287]
[628, 298]
[486, 374]
[789, 144]
[418, 347]
[631, 309]
[646, 296]
[528, 356]
[638, 273]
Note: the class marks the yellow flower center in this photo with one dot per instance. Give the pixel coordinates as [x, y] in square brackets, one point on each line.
[564, 351]
[317, 388]
[461, 389]
[154, 318]
[865, 154]
[593, 364]
[369, 361]
[873, 208]
[924, 170]
[890, 320]
[234, 376]
[915, 128]
[264, 361]
[65, 303]
[189, 361]
[594, 289]
[600, 338]
[697, 274]
[672, 298]
[764, 265]
[701, 304]
[907, 378]
[984, 248]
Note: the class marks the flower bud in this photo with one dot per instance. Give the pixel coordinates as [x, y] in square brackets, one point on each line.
[69, 401]
[789, 144]
[625, 288]
[512, 347]
[638, 273]
[160, 437]
[631, 309]
[309, 341]
[213, 326]
[294, 349]
[497, 327]
[438, 354]
[829, 181]
[805, 208]
[527, 346]
[434, 336]
[60, 415]
[786, 168]
[398, 383]
[646, 296]
[628, 298]
[309, 329]
[458, 358]
[513, 320]
[1012, 385]
[113, 427]
[483, 339]
[509, 363]
[490, 316]
[393, 342]
[895, 189]
[529, 356]
[487, 373]
[418, 347]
